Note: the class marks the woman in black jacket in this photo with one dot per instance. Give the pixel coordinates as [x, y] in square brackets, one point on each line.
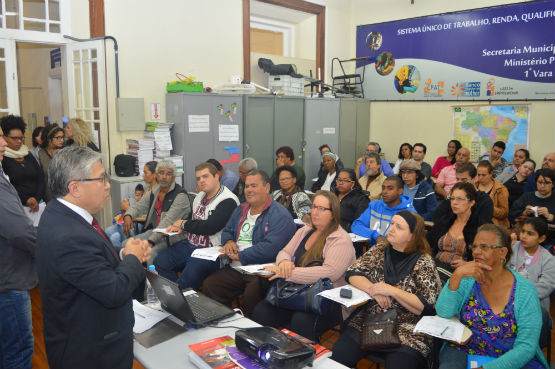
[352, 199]
[326, 178]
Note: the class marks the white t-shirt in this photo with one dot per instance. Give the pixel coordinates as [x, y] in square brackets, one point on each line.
[245, 234]
[329, 180]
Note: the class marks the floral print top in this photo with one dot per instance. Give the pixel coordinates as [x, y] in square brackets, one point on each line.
[492, 334]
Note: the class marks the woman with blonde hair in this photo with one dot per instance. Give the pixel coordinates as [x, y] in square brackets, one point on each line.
[78, 133]
[323, 240]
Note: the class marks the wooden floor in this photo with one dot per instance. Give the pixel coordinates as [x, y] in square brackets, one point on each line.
[39, 360]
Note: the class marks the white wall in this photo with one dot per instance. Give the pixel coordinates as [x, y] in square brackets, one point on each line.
[392, 123]
[305, 39]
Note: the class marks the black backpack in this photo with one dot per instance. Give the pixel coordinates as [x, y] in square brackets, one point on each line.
[125, 165]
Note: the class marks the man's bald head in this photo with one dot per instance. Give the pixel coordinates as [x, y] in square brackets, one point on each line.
[463, 155]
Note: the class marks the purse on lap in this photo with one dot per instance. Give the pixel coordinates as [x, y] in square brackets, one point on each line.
[380, 331]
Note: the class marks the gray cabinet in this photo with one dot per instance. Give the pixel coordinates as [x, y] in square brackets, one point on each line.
[272, 122]
[321, 126]
[354, 129]
[204, 126]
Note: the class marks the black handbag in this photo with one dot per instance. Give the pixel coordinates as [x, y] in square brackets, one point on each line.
[124, 165]
[380, 331]
[301, 297]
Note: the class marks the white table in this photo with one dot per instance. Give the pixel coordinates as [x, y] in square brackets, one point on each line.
[174, 353]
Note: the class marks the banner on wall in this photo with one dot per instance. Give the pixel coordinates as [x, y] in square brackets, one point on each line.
[499, 53]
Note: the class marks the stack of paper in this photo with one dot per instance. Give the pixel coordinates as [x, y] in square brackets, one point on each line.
[447, 329]
[358, 297]
[160, 132]
[145, 317]
[142, 150]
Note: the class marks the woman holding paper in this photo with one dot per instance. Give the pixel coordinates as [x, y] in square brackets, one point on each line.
[398, 273]
[324, 240]
[498, 305]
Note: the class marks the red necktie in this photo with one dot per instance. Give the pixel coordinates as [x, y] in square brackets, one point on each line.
[96, 226]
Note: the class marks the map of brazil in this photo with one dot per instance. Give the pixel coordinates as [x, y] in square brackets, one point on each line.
[478, 127]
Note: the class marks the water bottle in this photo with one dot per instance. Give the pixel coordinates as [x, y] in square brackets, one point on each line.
[151, 299]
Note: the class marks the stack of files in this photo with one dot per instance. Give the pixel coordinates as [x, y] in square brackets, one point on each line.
[143, 150]
[152, 126]
[160, 132]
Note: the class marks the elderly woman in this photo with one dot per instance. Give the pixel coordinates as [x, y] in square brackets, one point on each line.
[497, 192]
[405, 153]
[352, 199]
[420, 191]
[453, 231]
[323, 240]
[20, 165]
[292, 196]
[326, 179]
[398, 273]
[519, 157]
[52, 140]
[79, 133]
[498, 305]
[515, 184]
[444, 161]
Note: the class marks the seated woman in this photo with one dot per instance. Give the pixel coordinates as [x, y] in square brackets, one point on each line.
[323, 240]
[398, 273]
[20, 165]
[420, 191]
[496, 191]
[534, 262]
[326, 179]
[405, 153]
[444, 161]
[290, 195]
[352, 199]
[454, 231]
[498, 305]
[519, 157]
[515, 184]
[537, 203]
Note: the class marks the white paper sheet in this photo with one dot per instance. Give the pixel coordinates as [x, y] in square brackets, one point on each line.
[436, 326]
[35, 217]
[229, 132]
[359, 296]
[255, 268]
[145, 317]
[199, 123]
[299, 222]
[207, 253]
[357, 238]
[163, 230]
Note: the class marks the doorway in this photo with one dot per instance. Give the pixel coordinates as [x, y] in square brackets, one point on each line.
[40, 85]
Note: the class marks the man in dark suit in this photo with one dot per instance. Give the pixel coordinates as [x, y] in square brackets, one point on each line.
[86, 289]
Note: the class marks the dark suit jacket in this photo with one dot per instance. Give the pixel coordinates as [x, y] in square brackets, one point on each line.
[86, 293]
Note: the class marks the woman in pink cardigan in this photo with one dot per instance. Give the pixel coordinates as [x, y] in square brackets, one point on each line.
[324, 240]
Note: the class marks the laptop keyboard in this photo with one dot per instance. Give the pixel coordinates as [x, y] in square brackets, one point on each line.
[199, 310]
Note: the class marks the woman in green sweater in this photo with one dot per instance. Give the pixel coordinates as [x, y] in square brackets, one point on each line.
[499, 306]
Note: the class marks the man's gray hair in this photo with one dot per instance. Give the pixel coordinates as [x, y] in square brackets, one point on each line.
[166, 164]
[70, 164]
[374, 155]
[249, 164]
[377, 145]
[265, 177]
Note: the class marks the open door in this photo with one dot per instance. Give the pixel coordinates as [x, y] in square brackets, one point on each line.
[86, 82]
[9, 102]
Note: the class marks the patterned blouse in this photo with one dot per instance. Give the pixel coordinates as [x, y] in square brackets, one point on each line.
[450, 248]
[492, 334]
[423, 281]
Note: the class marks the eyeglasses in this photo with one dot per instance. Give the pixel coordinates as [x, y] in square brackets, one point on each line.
[484, 247]
[104, 178]
[458, 199]
[542, 183]
[19, 138]
[319, 208]
[58, 137]
[285, 179]
[341, 180]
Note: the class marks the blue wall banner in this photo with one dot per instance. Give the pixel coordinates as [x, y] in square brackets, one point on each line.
[498, 53]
